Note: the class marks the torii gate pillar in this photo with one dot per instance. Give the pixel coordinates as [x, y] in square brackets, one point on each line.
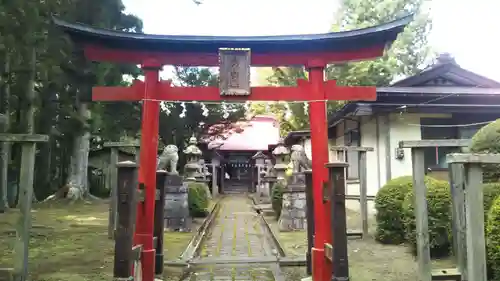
[314, 51]
[321, 267]
[147, 168]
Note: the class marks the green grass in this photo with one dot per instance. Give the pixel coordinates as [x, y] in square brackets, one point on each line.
[69, 242]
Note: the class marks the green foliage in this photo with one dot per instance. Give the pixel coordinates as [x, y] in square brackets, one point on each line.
[487, 140]
[297, 119]
[176, 129]
[406, 57]
[198, 199]
[490, 192]
[277, 197]
[389, 206]
[493, 239]
[61, 79]
[439, 217]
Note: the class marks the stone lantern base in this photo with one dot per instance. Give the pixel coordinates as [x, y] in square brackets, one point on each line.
[293, 211]
[176, 204]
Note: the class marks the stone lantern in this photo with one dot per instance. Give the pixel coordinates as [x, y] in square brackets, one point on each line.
[260, 163]
[193, 156]
[281, 153]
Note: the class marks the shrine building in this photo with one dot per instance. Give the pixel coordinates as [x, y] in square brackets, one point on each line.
[235, 151]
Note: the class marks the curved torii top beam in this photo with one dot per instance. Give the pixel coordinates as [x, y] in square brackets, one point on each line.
[111, 45]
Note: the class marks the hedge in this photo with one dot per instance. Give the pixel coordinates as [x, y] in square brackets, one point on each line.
[439, 218]
[490, 192]
[493, 239]
[198, 199]
[277, 197]
[487, 140]
[389, 206]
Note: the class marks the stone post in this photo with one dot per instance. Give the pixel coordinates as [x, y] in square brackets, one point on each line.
[159, 221]
[215, 186]
[126, 208]
[310, 220]
[337, 181]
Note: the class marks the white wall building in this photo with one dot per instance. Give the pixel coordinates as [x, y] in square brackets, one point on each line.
[439, 103]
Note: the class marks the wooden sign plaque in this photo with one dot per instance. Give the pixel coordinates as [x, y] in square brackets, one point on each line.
[234, 70]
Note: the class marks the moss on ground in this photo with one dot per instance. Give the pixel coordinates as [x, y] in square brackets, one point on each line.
[368, 259]
[69, 242]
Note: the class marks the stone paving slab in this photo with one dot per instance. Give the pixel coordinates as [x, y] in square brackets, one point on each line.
[237, 233]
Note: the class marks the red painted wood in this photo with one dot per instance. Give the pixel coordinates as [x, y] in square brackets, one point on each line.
[168, 93]
[316, 91]
[132, 93]
[147, 173]
[322, 268]
[99, 53]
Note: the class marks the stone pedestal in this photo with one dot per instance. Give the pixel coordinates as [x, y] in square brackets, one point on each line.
[176, 204]
[293, 212]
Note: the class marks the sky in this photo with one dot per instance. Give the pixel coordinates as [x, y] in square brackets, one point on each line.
[469, 30]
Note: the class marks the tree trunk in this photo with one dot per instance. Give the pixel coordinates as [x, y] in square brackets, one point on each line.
[77, 181]
[45, 118]
[4, 127]
[29, 107]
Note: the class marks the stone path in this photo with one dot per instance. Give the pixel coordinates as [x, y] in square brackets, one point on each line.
[237, 237]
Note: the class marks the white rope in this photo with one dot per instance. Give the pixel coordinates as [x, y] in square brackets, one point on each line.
[238, 102]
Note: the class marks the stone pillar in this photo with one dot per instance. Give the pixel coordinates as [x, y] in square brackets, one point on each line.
[223, 178]
[176, 204]
[293, 212]
[262, 187]
[215, 186]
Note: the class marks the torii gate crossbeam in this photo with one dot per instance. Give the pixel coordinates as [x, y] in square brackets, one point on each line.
[312, 51]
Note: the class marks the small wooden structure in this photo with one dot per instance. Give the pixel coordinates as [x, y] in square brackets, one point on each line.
[336, 252]
[425, 272]
[111, 180]
[23, 226]
[363, 196]
[127, 262]
[468, 210]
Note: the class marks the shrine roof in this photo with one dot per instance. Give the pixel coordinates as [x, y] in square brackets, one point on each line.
[259, 132]
[346, 41]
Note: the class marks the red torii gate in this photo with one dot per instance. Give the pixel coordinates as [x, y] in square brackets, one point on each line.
[314, 52]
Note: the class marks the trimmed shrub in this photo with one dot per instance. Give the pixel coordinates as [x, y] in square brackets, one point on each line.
[198, 199]
[389, 206]
[439, 218]
[277, 197]
[493, 240]
[487, 140]
[490, 192]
